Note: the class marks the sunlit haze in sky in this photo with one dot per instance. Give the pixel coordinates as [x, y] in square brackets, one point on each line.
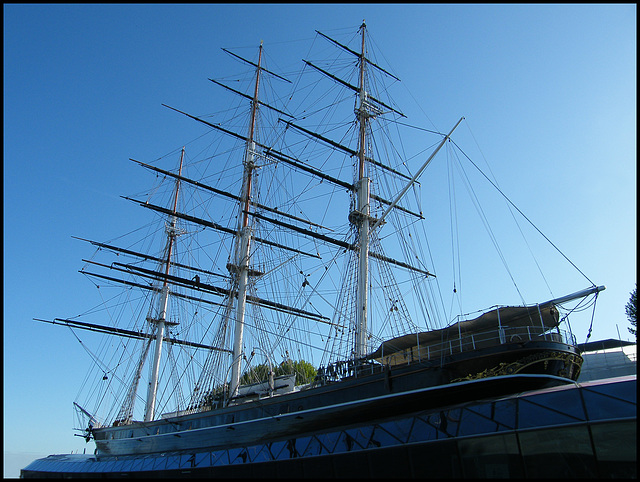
[548, 93]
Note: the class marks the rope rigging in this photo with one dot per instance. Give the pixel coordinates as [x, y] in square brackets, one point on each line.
[308, 283]
[523, 215]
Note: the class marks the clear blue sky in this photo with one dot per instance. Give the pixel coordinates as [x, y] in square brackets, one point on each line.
[548, 91]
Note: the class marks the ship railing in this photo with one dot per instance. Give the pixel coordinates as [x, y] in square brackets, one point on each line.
[476, 341]
[436, 351]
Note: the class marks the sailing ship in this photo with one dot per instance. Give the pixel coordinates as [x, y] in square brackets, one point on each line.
[258, 312]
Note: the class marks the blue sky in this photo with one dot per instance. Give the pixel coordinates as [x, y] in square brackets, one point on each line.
[549, 92]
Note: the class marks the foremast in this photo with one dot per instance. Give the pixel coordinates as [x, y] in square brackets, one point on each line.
[161, 320]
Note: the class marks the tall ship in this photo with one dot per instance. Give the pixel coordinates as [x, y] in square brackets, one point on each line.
[284, 287]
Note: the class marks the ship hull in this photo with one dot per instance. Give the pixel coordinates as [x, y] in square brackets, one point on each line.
[536, 433]
[390, 392]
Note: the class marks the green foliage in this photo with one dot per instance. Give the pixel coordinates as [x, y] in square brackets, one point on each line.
[257, 374]
[630, 309]
[305, 372]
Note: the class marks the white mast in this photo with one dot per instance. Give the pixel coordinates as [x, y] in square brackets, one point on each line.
[362, 209]
[241, 267]
[161, 320]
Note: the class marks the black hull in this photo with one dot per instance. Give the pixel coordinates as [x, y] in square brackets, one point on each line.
[571, 430]
[393, 392]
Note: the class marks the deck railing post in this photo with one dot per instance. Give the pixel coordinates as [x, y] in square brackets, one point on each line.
[541, 319]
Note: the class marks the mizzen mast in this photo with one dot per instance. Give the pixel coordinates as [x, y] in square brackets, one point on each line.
[161, 320]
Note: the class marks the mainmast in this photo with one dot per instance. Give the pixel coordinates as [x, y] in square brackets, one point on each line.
[161, 320]
[362, 215]
[241, 267]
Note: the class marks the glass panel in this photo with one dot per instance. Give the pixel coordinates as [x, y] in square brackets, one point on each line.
[446, 423]
[147, 464]
[346, 443]
[314, 448]
[474, 423]
[301, 445]
[382, 438]
[435, 460]
[291, 450]
[354, 465]
[422, 430]
[393, 463]
[329, 440]
[552, 408]
[56, 466]
[504, 413]
[278, 450]
[74, 466]
[313, 468]
[255, 453]
[360, 436]
[495, 456]
[450, 421]
[187, 461]
[610, 400]
[565, 401]
[136, 463]
[558, 452]
[124, 465]
[624, 390]
[219, 457]
[203, 459]
[102, 466]
[238, 456]
[400, 429]
[616, 449]
[173, 462]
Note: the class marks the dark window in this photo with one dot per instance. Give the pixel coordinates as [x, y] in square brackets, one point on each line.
[559, 452]
[495, 456]
[392, 463]
[435, 460]
[351, 465]
[616, 449]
